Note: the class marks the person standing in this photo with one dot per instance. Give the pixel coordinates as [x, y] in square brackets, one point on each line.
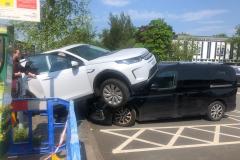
[17, 73]
[18, 83]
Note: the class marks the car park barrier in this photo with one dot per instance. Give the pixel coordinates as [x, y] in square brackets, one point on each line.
[46, 107]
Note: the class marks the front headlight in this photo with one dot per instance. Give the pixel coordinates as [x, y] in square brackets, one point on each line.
[130, 60]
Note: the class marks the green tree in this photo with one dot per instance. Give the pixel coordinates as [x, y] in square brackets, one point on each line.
[121, 32]
[63, 22]
[221, 35]
[157, 37]
[183, 50]
[235, 41]
[238, 31]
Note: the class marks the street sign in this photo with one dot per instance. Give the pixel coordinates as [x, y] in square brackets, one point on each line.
[22, 10]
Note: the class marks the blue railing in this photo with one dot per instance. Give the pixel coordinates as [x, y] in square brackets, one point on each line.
[45, 107]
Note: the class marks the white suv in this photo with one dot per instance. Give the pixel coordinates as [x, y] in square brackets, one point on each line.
[80, 70]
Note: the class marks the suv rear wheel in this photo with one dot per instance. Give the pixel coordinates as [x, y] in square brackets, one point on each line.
[114, 92]
[216, 111]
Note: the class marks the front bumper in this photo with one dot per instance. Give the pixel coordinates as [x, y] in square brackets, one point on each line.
[139, 87]
[143, 70]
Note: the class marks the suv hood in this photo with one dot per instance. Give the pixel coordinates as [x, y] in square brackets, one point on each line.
[120, 55]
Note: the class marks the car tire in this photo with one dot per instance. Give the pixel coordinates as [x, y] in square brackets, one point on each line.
[124, 116]
[216, 111]
[114, 93]
[99, 113]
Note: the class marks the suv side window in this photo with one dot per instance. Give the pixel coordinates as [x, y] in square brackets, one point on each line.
[37, 64]
[222, 75]
[59, 61]
[165, 80]
[194, 76]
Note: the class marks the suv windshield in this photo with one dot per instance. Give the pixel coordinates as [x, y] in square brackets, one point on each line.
[89, 52]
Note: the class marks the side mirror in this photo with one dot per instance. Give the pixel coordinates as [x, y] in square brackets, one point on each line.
[74, 64]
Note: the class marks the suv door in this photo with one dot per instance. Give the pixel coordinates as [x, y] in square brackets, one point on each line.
[38, 65]
[194, 89]
[161, 100]
[62, 79]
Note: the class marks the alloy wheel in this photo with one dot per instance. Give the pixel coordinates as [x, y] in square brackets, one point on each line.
[217, 111]
[123, 116]
[112, 94]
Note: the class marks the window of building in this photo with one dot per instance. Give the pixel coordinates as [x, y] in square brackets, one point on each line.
[209, 49]
[199, 48]
[220, 49]
[223, 49]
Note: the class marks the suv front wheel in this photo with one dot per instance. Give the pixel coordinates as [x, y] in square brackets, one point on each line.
[114, 92]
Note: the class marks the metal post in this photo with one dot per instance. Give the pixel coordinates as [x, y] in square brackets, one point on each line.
[30, 135]
[50, 125]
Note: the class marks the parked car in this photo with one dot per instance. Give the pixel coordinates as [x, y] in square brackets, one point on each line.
[80, 70]
[182, 89]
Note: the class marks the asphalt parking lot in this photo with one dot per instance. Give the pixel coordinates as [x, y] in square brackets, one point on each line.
[180, 139]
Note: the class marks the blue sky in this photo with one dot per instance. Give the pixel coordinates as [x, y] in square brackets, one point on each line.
[197, 17]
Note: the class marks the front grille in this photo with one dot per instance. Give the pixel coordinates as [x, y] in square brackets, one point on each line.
[153, 70]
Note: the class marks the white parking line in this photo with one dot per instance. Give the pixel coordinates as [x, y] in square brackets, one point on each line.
[173, 143]
[197, 142]
[234, 119]
[175, 137]
[232, 127]
[136, 139]
[217, 134]
[236, 111]
[224, 134]
[175, 147]
[233, 115]
[137, 128]
[187, 137]
[124, 144]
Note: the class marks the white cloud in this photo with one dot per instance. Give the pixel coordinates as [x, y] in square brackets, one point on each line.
[207, 29]
[116, 3]
[201, 16]
[230, 31]
[211, 30]
[211, 22]
[198, 15]
[144, 15]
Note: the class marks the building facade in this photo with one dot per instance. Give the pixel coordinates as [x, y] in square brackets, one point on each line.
[212, 48]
